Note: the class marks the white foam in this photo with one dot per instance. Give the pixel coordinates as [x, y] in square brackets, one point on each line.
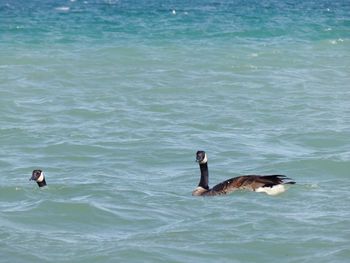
[274, 190]
[63, 8]
[333, 42]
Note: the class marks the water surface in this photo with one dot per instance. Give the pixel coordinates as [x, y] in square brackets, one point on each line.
[113, 98]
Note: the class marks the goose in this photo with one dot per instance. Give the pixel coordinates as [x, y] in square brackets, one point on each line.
[39, 177]
[269, 184]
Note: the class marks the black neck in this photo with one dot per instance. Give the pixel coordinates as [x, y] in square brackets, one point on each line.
[42, 183]
[204, 175]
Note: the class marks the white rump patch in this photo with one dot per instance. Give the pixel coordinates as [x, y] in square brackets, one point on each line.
[274, 190]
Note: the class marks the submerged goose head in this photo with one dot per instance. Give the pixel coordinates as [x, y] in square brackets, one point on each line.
[39, 177]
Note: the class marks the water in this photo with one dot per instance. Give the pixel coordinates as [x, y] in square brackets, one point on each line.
[113, 98]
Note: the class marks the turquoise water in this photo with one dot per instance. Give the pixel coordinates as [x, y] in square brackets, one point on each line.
[112, 99]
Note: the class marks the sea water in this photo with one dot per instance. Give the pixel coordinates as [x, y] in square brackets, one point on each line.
[112, 99]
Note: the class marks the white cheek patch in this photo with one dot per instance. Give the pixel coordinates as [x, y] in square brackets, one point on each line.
[205, 160]
[274, 190]
[41, 177]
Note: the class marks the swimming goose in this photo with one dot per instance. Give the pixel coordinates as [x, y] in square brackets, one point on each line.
[269, 184]
[39, 177]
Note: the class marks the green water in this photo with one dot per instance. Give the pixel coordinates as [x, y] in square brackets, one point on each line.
[112, 99]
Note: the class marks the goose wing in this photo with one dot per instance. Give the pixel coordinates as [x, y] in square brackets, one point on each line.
[248, 182]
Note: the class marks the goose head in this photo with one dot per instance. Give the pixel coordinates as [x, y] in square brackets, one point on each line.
[39, 177]
[201, 157]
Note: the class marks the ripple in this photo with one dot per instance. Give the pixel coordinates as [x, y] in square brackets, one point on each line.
[113, 101]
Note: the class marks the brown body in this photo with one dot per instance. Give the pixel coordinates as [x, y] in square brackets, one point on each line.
[246, 182]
